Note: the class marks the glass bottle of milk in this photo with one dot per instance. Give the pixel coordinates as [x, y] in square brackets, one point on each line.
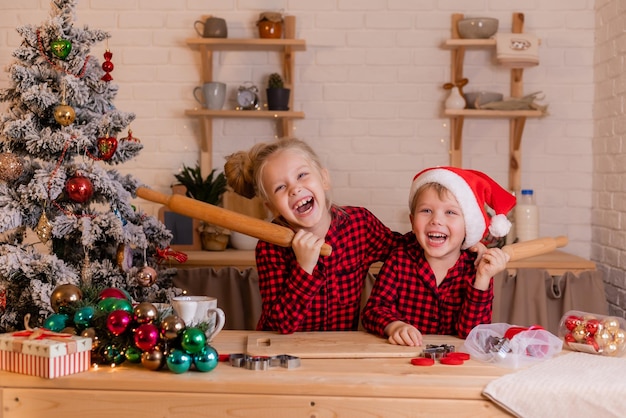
[527, 216]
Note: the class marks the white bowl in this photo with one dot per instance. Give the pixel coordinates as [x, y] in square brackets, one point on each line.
[241, 241]
[477, 27]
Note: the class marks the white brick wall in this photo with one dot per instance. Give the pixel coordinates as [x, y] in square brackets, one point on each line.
[608, 216]
[370, 85]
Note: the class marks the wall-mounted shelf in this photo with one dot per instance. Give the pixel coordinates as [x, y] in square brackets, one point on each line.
[517, 118]
[284, 119]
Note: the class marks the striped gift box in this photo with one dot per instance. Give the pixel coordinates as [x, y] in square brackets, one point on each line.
[44, 354]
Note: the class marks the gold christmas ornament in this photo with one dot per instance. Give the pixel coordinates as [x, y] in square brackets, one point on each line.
[171, 327]
[11, 166]
[64, 114]
[44, 228]
[64, 295]
[147, 276]
[145, 312]
[153, 359]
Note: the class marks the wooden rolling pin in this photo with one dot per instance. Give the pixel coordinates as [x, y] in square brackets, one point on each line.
[534, 247]
[225, 218]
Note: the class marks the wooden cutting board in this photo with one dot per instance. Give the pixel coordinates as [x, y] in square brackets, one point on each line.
[327, 344]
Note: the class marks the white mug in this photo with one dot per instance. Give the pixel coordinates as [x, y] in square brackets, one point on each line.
[194, 310]
[211, 95]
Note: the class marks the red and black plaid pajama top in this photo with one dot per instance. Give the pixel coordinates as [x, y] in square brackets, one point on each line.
[406, 290]
[329, 299]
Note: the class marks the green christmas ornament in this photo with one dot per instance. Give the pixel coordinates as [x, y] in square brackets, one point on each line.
[106, 305]
[56, 322]
[193, 340]
[112, 355]
[121, 305]
[83, 316]
[61, 48]
[206, 359]
[178, 361]
[133, 354]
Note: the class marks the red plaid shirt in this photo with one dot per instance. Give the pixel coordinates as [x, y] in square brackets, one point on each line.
[406, 290]
[329, 299]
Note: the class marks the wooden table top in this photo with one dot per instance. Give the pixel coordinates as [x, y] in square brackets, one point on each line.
[366, 377]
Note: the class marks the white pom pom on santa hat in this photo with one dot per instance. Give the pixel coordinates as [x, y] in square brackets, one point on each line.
[472, 190]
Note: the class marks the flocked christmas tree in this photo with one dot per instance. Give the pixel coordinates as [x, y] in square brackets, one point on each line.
[58, 146]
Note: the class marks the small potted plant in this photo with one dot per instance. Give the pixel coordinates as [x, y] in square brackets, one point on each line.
[277, 94]
[209, 190]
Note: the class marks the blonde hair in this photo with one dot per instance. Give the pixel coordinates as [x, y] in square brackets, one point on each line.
[244, 169]
[441, 190]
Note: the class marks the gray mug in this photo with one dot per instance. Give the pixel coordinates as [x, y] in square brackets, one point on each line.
[211, 95]
[213, 27]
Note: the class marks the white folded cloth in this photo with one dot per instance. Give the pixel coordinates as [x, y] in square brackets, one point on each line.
[517, 50]
[573, 384]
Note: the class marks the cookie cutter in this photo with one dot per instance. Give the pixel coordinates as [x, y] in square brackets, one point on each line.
[263, 362]
[437, 352]
[499, 345]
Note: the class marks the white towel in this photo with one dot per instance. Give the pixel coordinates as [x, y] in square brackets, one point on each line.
[517, 50]
[570, 385]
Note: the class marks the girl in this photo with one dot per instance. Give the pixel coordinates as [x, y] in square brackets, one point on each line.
[301, 290]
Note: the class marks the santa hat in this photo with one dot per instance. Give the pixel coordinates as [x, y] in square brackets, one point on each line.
[472, 190]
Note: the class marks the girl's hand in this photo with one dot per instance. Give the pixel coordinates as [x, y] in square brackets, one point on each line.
[480, 250]
[492, 262]
[401, 333]
[307, 248]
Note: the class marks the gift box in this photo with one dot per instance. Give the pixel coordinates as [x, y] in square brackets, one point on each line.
[43, 353]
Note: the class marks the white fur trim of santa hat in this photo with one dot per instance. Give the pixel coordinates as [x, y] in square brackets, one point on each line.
[472, 190]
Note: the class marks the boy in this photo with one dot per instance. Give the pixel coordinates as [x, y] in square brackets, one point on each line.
[431, 284]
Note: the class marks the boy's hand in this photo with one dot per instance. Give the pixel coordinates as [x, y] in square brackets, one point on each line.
[492, 262]
[307, 248]
[401, 333]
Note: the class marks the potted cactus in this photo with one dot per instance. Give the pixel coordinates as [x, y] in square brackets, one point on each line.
[277, 94]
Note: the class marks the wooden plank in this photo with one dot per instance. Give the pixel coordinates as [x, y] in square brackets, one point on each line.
[139, 404]
[330, 344]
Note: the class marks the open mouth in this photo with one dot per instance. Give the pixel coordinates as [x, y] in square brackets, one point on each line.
[436, 238]
[304, 205]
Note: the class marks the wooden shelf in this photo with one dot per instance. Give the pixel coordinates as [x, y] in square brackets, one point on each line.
[517, 118]
[244, 44]
[483, 113]
[254, 114]
[207, 46]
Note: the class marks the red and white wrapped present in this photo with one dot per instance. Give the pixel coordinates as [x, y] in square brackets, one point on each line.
[39, 352]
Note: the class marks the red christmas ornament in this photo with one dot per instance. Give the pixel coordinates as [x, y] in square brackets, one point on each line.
[112, 292]
[107, 66]
[146, 337]
[79, 188]
[106, 147]
[592, 326]
[572, 322]
[118, 321]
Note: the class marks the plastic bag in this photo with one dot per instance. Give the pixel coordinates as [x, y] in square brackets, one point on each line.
[511, 346]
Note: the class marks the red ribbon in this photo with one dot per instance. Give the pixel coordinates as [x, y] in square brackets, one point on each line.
[40, 334]
[167, 253]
